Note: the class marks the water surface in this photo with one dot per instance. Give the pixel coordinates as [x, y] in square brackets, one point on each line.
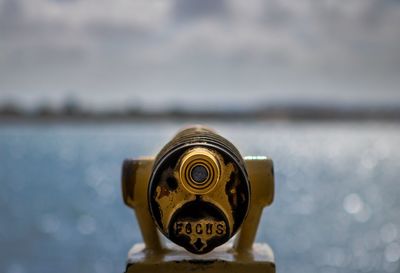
[336, 207]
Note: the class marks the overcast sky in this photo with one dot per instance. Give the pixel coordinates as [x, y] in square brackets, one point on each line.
[202, 53]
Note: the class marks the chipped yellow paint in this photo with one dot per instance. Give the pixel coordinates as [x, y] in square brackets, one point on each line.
[171, 201]
[242, 256]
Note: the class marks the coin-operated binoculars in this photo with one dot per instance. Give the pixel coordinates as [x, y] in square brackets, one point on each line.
[199, 192]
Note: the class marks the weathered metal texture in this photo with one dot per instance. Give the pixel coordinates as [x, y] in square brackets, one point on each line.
[261, 176]
[199, 192]
[223, 259]
[198, 216]
[135, 181]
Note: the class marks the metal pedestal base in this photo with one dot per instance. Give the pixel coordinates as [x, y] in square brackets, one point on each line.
[222, 259]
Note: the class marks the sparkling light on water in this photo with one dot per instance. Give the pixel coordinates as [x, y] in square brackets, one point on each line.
[353, 203]
[336, 206]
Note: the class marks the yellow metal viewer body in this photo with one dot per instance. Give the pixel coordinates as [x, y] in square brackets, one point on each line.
[199, 192]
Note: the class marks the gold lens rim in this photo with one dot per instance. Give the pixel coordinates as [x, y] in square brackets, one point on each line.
[199, 157]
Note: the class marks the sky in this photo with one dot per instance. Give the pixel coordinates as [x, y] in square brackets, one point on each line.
[199, 53]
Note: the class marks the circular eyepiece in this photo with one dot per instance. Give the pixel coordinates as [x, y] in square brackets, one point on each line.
[199, 173]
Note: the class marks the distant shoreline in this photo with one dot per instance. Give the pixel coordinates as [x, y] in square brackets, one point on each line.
[295, 114]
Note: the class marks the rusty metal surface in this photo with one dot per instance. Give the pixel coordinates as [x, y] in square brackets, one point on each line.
[199, 216]
[198, 195]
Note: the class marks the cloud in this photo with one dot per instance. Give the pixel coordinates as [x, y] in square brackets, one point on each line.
[281, 49]
[189, 10]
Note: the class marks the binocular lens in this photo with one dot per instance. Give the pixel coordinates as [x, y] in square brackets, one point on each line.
[199, 173]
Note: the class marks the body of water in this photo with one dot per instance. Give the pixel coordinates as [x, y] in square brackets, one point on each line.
[336, 207]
